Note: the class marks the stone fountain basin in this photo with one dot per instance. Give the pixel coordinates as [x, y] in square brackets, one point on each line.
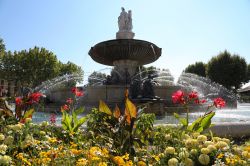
[141, 51]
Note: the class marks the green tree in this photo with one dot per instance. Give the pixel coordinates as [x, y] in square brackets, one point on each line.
[71, 68]
[198, 68]
[96, 77]
[248, 72]
[227, 70]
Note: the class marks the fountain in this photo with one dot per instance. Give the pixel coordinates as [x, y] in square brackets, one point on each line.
[126, 55]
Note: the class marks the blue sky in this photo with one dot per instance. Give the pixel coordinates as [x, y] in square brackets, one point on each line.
[186, 30]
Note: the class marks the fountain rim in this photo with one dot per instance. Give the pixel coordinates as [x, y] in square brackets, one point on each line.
[141, 56]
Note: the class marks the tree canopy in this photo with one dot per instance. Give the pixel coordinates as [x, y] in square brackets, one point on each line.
[31, 67]
[198, 68]
[228, 70]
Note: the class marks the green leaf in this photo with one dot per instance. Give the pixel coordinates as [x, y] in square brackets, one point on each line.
[194, 125]
[183, 121]
[28, 114]
[206, 121]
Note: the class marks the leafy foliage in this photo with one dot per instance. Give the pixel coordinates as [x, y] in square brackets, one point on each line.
[30, 67]
[198, 68]
[121, 132]
[227, 70]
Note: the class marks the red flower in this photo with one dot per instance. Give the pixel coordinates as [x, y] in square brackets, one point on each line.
[193, 95]
[19, 101]
[77, 92]
[65, 107]
[178, 97]
[35, 97]
[197, 101]
[219, 102]
[74, 89]
[69, 100]
[203, 101]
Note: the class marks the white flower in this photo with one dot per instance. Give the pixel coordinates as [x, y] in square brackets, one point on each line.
[5, 160]
[2, 137]
[3, 149]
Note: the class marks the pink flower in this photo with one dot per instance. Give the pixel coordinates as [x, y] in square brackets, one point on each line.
[52, 118]
[18, 101]
[219, 102]
[178, 97]
[193, 95]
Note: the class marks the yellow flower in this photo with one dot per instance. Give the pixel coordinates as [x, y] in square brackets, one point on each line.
[211, 148]
[204, 159]
[119, 160]
[75, 151]
[188, 162]
[246, 154]
[216, 139]
[172, 162]
[2, 137]
[221, 155]
[52, 140]
[126, 156]
[221, 144]
[206, 143]
[247, 148]
[168, 137]
[202, 138]
[193, 151]
[205, 150]
[184, 154]
[102, 164]
[95, 151]
[42, 133]
[82, 162]
[170, 150]
[129, 163]
[141, 163]
[157, 158]
[73, 145]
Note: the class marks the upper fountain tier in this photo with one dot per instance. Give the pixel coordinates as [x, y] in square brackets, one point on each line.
[125, 51]
[140, 51]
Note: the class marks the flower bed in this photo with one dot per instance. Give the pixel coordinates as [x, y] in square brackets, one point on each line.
[114, 137]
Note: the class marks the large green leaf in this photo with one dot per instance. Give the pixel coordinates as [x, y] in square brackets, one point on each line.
[206, 121]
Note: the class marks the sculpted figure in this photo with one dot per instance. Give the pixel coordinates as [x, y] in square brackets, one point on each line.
[125, 20]
[129, 21]
[122, 20]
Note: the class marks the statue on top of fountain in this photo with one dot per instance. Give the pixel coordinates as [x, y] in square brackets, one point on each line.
[125, 25]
